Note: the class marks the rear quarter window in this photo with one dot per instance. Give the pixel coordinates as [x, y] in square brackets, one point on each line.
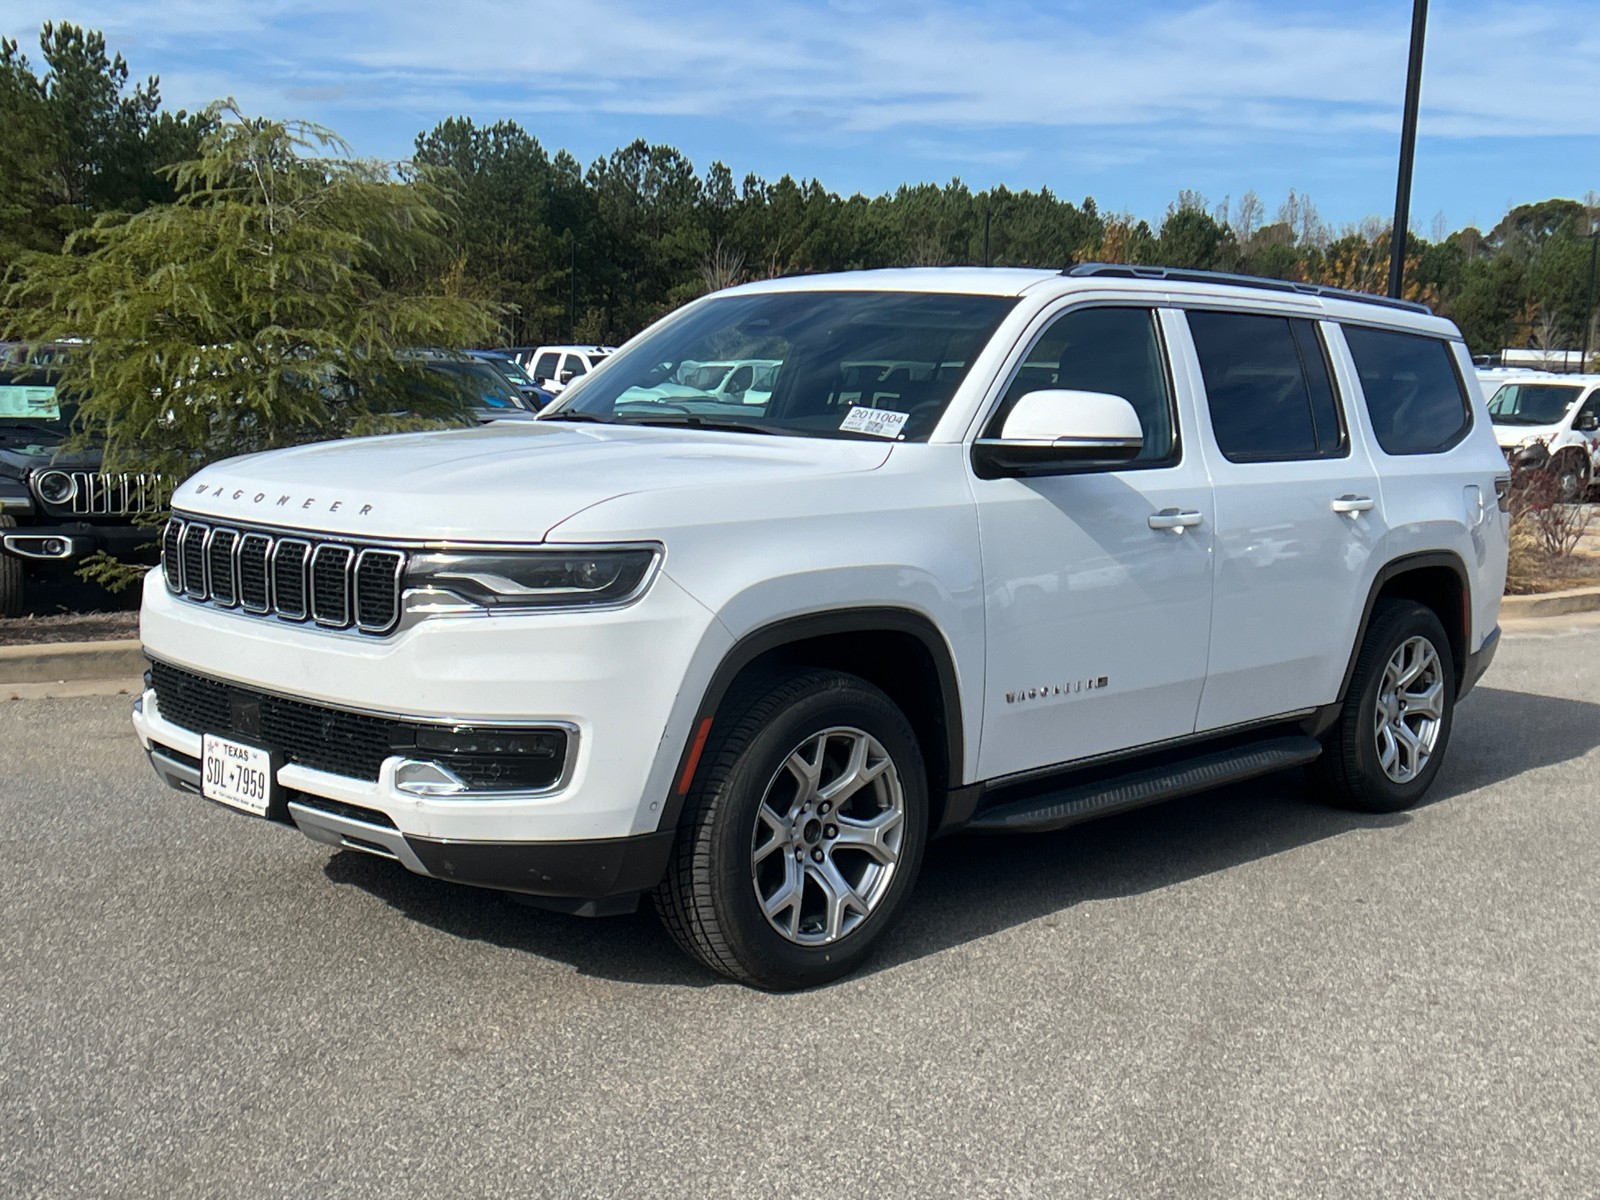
[1415, 395]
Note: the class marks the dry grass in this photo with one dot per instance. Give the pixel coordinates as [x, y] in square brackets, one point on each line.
[68, 627]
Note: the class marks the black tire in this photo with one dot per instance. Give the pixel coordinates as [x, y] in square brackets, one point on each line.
[708, 900]
[11, 577]
[1351, 773]
[1570, 470]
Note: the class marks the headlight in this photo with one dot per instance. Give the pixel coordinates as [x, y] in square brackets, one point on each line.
[57, 487]
[536, 578]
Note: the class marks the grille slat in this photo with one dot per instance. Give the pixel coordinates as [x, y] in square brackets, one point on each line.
[253, 574]
[330, 584]
[172, 554]
[194, 560]
[117, 494]
[377, 578]
[289, 578]
[219, 563]
[294, 578]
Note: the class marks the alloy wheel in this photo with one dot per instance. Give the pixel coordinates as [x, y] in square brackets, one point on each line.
[828, 836]
[1410, 709]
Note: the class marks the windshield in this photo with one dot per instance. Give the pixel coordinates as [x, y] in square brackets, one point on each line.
[482, 383]
[1532, 403]
[819, 364]
[30, 410]
[511, 370]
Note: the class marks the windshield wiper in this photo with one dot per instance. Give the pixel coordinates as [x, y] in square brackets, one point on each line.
[593, 418]
[694, 421]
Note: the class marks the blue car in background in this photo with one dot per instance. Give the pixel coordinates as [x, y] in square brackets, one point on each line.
[502, 361]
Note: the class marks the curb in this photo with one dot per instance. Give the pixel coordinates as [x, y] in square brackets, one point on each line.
[1550, 604]
[55, 662]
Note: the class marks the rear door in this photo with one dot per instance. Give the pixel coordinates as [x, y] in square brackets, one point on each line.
[1299, 516]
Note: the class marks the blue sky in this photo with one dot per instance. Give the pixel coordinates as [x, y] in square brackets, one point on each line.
[1128, 101]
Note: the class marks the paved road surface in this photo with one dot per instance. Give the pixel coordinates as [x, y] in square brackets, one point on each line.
[1236, 995]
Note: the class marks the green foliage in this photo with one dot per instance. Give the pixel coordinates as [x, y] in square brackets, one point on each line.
[265, 307]
[77, 141]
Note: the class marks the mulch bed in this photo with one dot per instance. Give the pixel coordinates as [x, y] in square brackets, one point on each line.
[68, 627]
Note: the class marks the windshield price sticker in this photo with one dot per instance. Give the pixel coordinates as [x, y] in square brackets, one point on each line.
[236, 775]
[879, 422]
[30, 403]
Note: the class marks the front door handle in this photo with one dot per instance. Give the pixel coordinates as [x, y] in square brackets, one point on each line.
[1351, 505]
[1174, 518]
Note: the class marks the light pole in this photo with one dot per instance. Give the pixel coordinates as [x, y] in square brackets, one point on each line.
[1408, 149]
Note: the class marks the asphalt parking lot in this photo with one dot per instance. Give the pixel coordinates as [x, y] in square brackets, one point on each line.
[1240, 994]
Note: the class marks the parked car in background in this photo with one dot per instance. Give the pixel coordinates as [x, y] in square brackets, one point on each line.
[1551, 422]
[502, 361]
[57, 508]
[487, 391]
[553, 367]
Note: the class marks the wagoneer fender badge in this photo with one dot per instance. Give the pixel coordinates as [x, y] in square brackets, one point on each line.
[1046, 691]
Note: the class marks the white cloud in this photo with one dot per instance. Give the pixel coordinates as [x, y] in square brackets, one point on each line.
[1495, 70]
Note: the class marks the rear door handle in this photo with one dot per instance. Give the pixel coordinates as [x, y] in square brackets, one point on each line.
[1174, 518]
[1350, 505]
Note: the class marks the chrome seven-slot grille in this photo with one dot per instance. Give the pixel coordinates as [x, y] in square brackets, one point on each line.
[104, 493]
[335, 584]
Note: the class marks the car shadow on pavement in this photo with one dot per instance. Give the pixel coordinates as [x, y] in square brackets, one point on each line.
[974, 886]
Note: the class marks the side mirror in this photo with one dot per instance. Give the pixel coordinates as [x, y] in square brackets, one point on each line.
[1588, 423]
[567, 377]
[1059, 432]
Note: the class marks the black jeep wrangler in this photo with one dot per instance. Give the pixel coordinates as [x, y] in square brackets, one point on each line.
[57, 508]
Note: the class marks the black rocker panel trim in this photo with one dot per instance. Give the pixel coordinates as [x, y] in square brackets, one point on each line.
[811, 626]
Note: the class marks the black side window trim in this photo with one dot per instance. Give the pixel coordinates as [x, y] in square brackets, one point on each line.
[1467, 406]
[1174, 456]
[1341, 448]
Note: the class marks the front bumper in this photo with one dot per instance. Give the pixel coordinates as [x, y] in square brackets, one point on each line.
[620, 679]
[586, 872]
[74, 541]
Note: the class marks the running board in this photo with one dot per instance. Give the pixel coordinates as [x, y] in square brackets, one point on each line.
[1057, 810]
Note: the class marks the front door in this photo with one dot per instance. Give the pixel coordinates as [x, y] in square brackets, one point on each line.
[1097, 620]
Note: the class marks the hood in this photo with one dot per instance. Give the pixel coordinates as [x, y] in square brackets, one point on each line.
[1509, 436]
[509, 482]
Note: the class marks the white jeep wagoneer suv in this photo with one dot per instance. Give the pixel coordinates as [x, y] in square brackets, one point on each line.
[1001, 550]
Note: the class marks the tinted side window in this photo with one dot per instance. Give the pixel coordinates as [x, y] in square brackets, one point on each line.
[1116, 350]
[1268, 387]
[545, 368]
[1414, 395]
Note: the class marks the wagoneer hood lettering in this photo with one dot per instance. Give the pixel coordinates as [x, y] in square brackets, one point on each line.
[506, 483]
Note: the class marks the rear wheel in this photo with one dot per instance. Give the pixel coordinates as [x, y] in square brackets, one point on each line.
[803, 834]
[1384, 751]
[11, 582]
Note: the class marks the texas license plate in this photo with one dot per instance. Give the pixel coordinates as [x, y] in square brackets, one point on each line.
[237, 775]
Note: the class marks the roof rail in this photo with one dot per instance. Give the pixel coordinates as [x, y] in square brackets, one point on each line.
[1190, 275]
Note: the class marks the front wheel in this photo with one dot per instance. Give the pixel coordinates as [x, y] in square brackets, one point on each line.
[1386, 748]
[1571, 473]
[803, 834]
